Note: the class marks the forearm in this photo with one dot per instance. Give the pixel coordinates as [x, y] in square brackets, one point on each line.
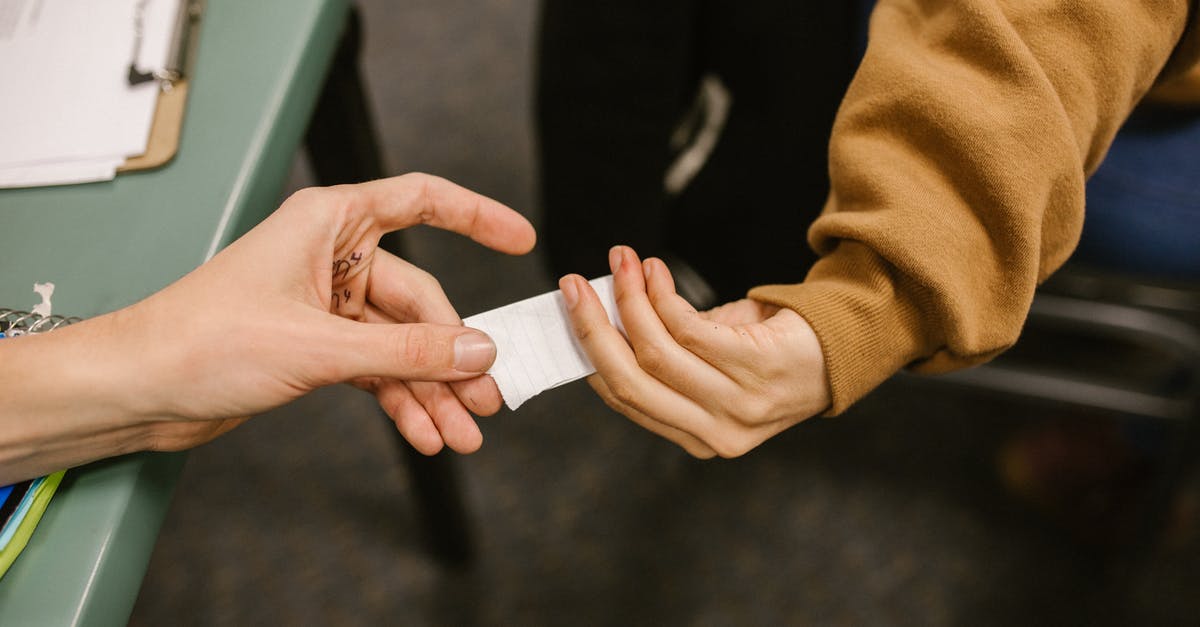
[65, 400]
[958, 163]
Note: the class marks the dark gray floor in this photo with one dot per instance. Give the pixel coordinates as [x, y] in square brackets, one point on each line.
[888, 515]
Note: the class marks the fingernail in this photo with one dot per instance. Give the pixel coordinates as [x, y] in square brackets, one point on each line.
[473, 352]
[648, 268]
[614, 258]
[570, 292]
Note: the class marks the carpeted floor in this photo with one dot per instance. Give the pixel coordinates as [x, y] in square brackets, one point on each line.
[890, 514]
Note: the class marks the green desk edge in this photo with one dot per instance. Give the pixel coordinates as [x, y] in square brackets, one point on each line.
[258, 70]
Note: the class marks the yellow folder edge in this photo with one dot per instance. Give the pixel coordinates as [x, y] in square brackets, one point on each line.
[25, 530]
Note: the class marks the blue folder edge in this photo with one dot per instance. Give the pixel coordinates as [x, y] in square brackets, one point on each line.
[22, 510]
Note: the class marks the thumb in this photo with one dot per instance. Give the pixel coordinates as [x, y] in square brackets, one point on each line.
[415, 352]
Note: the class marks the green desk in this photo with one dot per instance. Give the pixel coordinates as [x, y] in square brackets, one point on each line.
[259, 69]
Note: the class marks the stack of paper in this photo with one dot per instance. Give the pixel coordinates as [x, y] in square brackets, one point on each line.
[68, 113]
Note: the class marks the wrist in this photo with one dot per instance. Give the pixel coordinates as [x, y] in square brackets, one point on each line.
[66, 399]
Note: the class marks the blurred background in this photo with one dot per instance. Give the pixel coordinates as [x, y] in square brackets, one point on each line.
[894, 513]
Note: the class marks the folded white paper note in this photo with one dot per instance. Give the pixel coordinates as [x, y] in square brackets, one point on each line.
[536, 347]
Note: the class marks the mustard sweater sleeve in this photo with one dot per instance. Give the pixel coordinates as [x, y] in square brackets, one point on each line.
[957, 163]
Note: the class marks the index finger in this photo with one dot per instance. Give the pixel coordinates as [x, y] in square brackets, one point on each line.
[403, 201]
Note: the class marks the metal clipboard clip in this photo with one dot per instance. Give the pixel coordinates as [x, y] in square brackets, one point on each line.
[173, 70]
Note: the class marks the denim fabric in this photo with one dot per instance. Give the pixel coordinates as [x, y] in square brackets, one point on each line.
[1143, 204]
[860, 34]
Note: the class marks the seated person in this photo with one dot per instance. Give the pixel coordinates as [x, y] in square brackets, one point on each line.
[957, 164]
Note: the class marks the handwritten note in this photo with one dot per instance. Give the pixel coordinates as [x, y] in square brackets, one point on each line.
[536, 348]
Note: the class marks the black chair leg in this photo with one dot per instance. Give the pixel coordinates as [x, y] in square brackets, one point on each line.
[439, 494]
[1160, 503]
[343, 148]
[341, 138]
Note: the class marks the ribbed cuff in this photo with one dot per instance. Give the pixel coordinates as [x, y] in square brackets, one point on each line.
[868, 327]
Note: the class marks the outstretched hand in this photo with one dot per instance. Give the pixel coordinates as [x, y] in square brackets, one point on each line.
[718, 382]
[307, 299]
[304, 300]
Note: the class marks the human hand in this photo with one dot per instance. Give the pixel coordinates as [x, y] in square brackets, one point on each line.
[718, 382]
[306, 299]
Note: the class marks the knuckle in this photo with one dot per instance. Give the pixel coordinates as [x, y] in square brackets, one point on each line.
[613, 401]
[395, 409]
[417, 177]
[759, 335]
[425, 200]
[429, 278]
[687, 335]
[652, 357]
[583, 332]
[335, 201]
[732, 444]
[475, 215]
[622, 298]
[755, 409]
[415, 348]
[308, 201]
[307, 195]
[413, 195]
[773, 370]
[614, 404]
[425, 279]
[699, 451]
[729, 451]
[604, 391]
[418, 183]
[622, 390]
[396, 402]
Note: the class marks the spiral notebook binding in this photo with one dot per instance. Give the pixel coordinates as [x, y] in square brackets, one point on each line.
[14, 322]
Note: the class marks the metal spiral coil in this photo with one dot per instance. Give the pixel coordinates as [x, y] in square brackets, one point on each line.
[14, 323]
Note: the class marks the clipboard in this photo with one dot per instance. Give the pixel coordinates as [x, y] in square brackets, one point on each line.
[167, 125]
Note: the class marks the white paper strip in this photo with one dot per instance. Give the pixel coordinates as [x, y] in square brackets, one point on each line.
[536, 347]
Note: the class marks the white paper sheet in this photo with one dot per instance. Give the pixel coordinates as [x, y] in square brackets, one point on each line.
[60, 173]
[66, 97]
[536, 348]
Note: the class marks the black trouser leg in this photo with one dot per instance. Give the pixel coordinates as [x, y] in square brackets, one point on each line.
[438, 488]
[341, 138]
[613, 79]
[742, 221]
